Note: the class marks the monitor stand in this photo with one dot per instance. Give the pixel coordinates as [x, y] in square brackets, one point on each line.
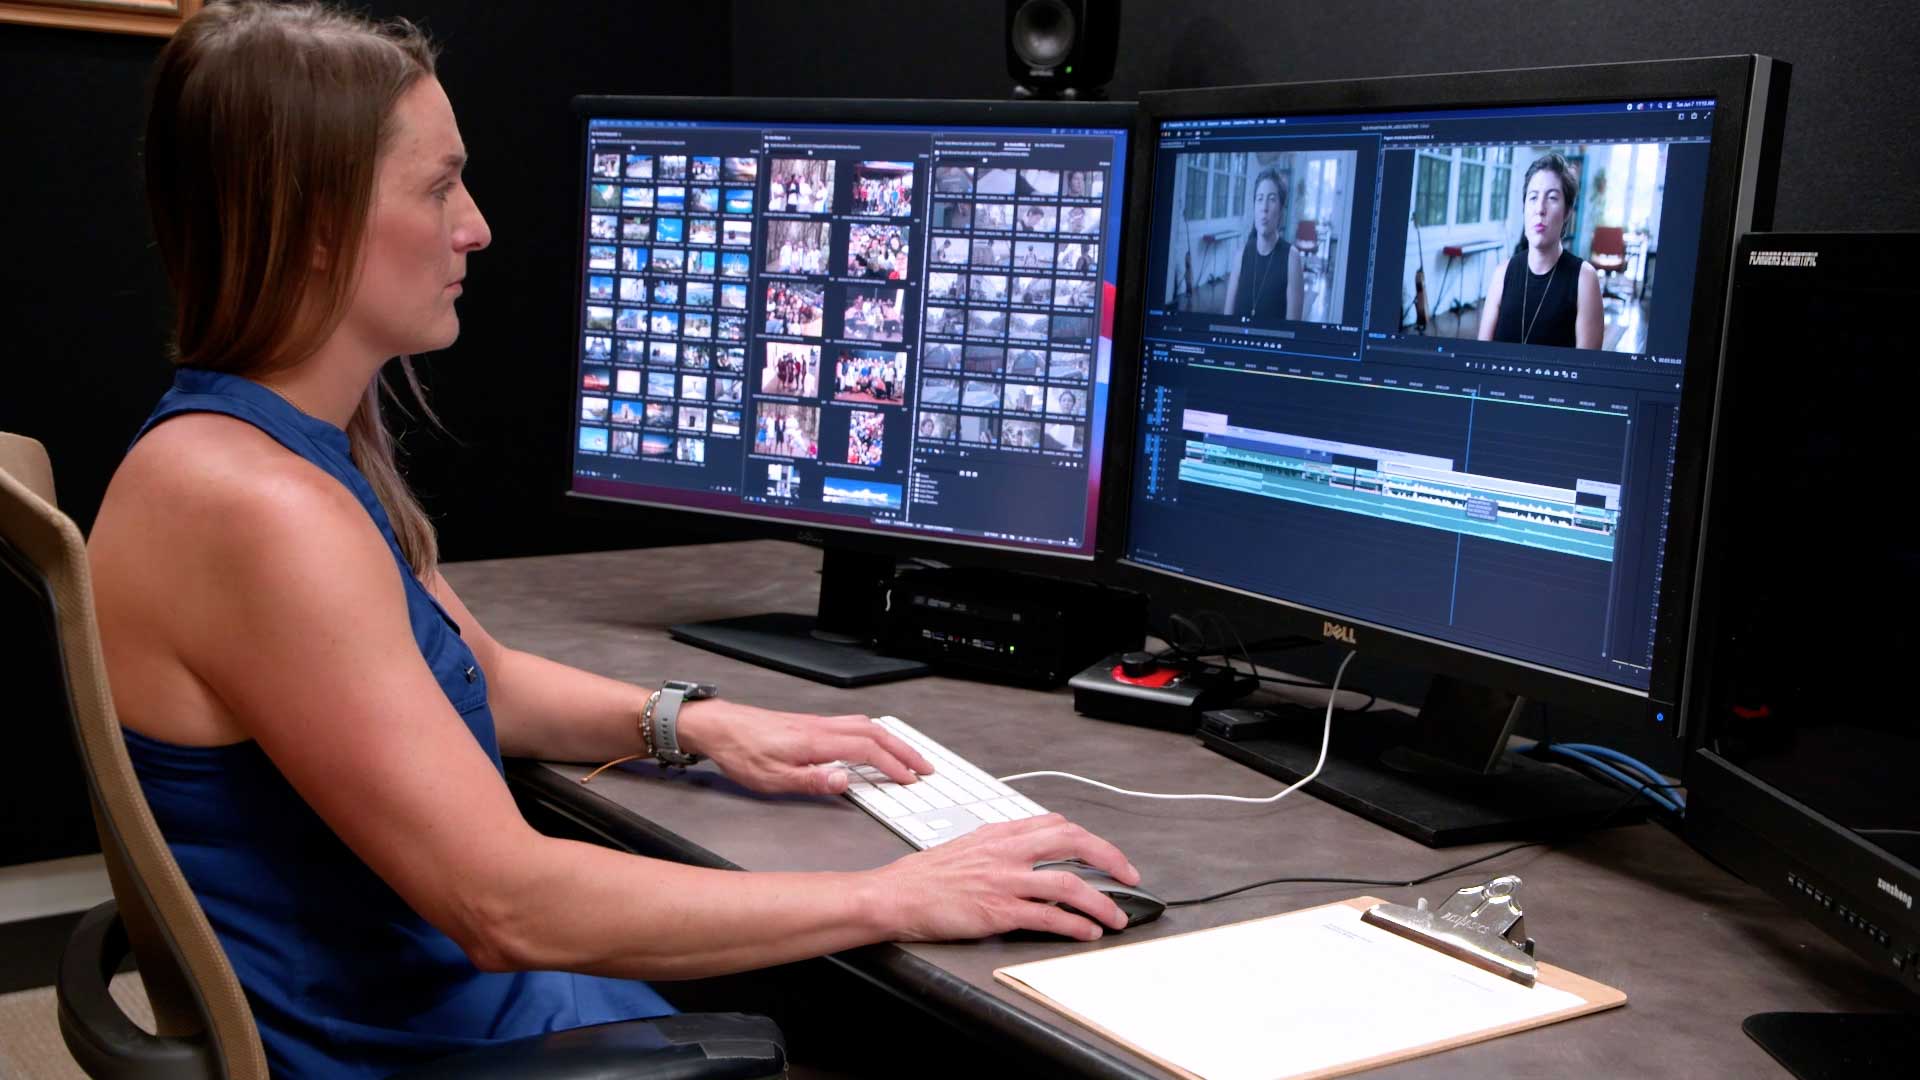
[1443, 778]
[832, 646]
[1832, 1046]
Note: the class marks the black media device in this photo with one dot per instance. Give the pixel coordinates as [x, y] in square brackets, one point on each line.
[879, 327]
[1007, 626]
[1428, 369]
[1062, 48]
[1136, 688]
[1802, 777]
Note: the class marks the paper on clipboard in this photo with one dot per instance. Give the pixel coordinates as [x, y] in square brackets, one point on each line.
[1313, 993]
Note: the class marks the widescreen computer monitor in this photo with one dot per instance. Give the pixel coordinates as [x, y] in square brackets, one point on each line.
[1802, 776]
[1429, 365]
[883, 327]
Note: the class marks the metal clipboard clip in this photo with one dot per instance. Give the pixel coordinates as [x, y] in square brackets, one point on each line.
[1481, 924]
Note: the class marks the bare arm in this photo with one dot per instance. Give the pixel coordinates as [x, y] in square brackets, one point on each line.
[333, 687]
[1296, 282]
[549, 710]
[1589, 317]
[1490, 310]
[1231, 303]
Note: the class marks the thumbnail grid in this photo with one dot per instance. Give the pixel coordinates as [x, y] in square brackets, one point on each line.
[1013, 293]
[665, 342]
[823, 269]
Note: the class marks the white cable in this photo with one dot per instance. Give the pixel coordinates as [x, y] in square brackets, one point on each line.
[1326, 739]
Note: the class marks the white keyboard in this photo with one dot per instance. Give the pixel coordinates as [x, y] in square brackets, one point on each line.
[955, 800]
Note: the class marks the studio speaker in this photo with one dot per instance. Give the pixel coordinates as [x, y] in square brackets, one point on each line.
[1062, 48]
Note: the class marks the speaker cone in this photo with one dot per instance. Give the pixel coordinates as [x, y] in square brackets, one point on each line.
[1043, 33]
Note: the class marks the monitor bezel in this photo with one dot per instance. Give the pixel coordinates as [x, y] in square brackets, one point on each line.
[1749, 93]
[713, 524]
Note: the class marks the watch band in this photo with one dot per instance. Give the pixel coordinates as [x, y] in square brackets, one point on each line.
[666, 721]
[646, 723]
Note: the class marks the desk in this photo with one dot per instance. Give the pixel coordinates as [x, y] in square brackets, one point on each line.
[1695, 950]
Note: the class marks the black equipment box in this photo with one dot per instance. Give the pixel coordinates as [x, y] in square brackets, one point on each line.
[1007, 626]
[1139, 690]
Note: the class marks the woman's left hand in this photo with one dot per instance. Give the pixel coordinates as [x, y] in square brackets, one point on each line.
[782, 753]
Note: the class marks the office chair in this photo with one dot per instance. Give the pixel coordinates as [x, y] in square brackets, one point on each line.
[205, 1028]
[1608, 254]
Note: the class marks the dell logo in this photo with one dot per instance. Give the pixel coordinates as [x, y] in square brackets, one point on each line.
[1896, 892]
[1339, 633]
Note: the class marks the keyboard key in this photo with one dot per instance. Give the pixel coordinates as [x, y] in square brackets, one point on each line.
[879, 800]
[908, 798]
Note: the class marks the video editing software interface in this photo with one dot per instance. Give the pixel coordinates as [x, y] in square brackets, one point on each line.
[874, 326]
[1423, 369]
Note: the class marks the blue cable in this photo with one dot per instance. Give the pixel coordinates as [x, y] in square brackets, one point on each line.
[1635, 782]
[1632, 764]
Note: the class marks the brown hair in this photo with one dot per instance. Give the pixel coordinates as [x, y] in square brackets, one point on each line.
[267, 124]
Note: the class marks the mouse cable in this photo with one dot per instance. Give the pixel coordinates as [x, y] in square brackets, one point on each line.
[1631, 798]
[1326, 739]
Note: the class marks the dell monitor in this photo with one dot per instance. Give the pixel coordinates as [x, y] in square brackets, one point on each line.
[1428, 366]
[1805, 752]
[882, 327]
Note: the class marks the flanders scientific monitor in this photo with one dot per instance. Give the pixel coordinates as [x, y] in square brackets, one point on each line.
[1805, 752]
[1430, 364]
[881, 327]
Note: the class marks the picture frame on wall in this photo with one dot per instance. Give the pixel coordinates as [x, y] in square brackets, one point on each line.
[156, 17]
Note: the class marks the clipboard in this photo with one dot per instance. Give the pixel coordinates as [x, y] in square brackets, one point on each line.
[1314, 993]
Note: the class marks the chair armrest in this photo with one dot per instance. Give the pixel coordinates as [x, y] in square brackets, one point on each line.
[686, 1046]
[106, 1044]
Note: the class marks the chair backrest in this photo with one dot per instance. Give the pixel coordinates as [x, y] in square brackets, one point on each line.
[190, 983]
[26, 461]
[1609, 240]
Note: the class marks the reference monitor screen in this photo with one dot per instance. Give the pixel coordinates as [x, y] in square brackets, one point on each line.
[1422, 370]
[872, 326]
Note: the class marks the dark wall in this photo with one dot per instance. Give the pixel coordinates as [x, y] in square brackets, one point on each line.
[85, 306]
[1850, 157]
[84, 313]
[86, 309]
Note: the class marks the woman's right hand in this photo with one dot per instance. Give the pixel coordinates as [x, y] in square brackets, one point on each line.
[984, 883]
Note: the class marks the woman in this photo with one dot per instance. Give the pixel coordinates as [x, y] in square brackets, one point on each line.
[1551, 296]
[316, 718]
[1270, 280]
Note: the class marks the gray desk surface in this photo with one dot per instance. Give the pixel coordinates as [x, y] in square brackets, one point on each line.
[1694, 949]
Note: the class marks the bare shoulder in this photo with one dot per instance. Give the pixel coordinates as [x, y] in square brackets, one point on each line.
[212, 481]
[208, 523]
[206, 503]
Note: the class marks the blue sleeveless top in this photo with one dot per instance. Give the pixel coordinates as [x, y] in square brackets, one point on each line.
[345, 980]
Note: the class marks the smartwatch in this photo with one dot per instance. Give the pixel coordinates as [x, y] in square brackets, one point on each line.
[666, 721]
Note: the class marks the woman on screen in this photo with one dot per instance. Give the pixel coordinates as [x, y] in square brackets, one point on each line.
[1270, 280]
[316, 719]
[1544, 294]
